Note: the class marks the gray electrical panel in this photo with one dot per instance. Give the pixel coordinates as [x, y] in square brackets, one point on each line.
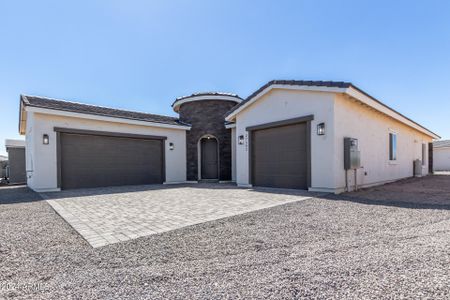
[352, 155]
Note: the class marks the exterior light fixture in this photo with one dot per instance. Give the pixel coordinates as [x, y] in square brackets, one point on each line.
[45, 139]
[321, 129]
[171, 146]
[241, 140]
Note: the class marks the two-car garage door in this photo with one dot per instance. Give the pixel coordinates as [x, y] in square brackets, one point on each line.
[279, 156]
[88, 160]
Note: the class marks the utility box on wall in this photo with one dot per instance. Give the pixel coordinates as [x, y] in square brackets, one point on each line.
[352, 155]
[417, 168]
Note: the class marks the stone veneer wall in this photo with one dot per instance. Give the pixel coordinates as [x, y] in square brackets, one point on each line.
[207, 117]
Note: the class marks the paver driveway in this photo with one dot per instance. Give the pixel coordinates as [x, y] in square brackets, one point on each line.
[109, 215]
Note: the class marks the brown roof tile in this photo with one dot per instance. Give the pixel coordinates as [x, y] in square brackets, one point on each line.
[55, 104]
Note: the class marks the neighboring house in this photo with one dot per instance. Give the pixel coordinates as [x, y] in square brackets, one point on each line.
[441, 155]
[287, 134]
[3, 165]
[15, 171]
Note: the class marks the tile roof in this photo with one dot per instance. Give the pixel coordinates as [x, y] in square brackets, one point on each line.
[441, 144]
[63, 105]
[208, 94]
[332, 84]
[238, 99]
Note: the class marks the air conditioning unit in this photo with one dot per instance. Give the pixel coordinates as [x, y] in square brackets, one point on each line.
[417, 168]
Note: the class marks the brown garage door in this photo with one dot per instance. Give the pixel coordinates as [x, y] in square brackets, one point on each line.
[97, 161]
[279, 157]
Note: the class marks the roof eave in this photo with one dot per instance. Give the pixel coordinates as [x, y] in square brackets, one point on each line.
[107, 117]
[365, 98]
[177, 103]
[22, 114]
[230, 125]
[351, 90]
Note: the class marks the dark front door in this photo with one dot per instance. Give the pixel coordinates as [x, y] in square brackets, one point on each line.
[96, 161]
[279, 157]
[209, 159]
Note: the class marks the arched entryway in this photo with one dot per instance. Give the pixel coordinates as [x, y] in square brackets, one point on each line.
[208, 158]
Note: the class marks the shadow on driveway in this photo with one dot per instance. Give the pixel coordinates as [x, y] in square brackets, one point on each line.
[142, 188]
[430, 192]
[17, 194]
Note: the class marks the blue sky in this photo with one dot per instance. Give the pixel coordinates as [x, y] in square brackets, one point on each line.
[140, 55]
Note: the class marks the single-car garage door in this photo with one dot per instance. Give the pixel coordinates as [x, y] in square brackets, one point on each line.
[279, 157]
[96, 161]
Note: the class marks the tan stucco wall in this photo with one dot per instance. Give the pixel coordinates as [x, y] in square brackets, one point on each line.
[286, 104]
[372, 129]
[41, 159]
[441, 159]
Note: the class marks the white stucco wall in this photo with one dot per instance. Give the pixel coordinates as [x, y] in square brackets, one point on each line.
[29, 149]
[233, 154]
[343, 118]
[372, 129]
[42, 160]
[279, 105]
[441, 159]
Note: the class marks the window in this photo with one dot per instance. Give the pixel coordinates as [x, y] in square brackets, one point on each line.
[392, 146]
[424, 154]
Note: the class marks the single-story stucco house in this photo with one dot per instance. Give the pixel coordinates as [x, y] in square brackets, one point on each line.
[441, 155]
[313, 135]
[15, 170]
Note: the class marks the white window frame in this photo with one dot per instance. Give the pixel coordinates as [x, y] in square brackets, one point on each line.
[395, 160]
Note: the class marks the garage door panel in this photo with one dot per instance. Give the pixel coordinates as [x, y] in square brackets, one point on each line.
[95, 161]
[279, 157]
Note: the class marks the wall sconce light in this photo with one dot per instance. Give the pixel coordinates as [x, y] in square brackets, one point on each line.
[45, 139]
[321, 129]
[241, 140]
[171, 146]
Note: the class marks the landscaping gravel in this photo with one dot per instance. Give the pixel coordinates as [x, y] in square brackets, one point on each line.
[350, 246]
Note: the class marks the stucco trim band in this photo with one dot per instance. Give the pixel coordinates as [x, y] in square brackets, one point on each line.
[176, 105]
[108, 133]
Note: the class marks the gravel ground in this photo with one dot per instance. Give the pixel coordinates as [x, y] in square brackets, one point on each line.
[425, 192]
[351, 246]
